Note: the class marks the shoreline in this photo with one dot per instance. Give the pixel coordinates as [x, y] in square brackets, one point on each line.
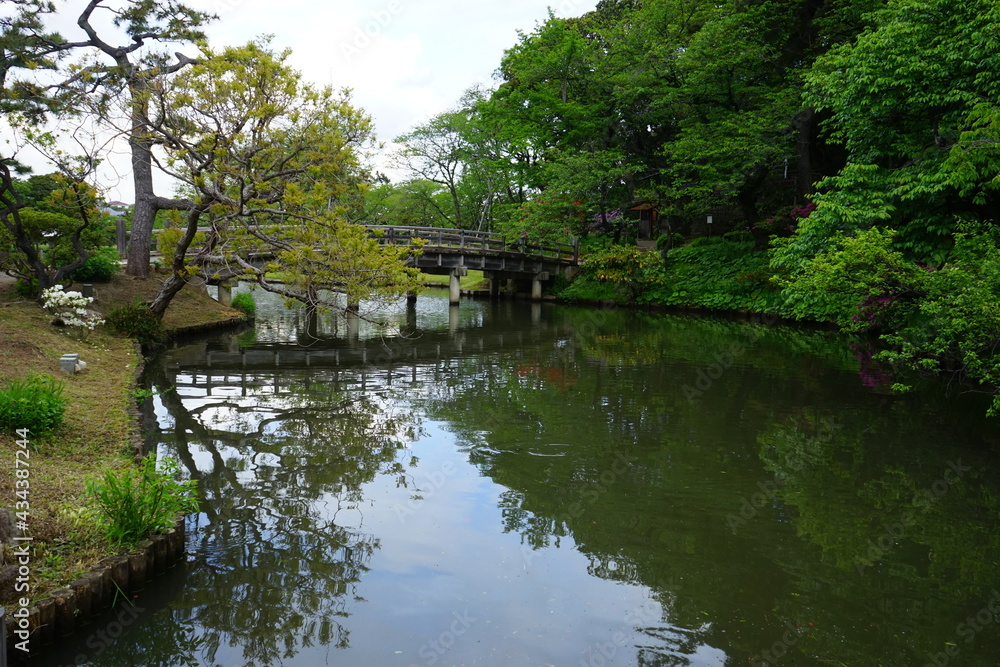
[83, 446]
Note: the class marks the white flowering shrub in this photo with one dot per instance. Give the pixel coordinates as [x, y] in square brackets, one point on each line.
[71, 308]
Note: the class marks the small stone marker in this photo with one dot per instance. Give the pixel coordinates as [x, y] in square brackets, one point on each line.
[88, 290]
[71, 363]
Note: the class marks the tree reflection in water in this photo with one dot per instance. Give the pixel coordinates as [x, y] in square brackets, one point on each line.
[587, 475]
[280, 546]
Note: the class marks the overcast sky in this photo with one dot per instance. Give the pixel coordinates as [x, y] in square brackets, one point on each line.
[406, 60]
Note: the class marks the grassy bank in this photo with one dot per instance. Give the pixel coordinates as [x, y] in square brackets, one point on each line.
[97, 430]
[473, 281]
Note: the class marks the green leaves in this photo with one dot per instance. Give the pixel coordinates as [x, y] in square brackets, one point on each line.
[913, 102]
[275, 167]
[135, 504]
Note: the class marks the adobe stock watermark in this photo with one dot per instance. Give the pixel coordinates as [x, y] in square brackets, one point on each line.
[22, 550]
[595, 320]
[967, 630]
[98, 642]
[591, 492]
[789, 639]
[923, 500]
[370, 29]
[707, 376]
[604, 654]
[431, 651]
[768, 490]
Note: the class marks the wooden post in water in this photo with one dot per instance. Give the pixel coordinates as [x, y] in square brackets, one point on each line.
[225, 294]
[455, 285]
[536, 285]
[494, 287]
[411, 314]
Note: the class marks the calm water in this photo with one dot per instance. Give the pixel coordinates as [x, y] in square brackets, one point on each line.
[519, 484]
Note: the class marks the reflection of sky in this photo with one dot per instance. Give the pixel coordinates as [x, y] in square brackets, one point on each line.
[446, 585]
[444, 561]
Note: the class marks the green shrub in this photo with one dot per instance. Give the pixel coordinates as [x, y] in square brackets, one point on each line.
[35, 403]
[137, 503]
[28, 288]
[136, 320]
[629, 272]
[245, 304]
[587, 288]
[863, 283]
[665, 242]
[100, 267]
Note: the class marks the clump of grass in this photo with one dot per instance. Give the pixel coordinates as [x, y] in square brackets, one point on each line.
[34, 402]
[245, 304]
[136, 320]
[140, 502]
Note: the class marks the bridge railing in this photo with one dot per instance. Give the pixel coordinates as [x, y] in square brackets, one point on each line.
[485, 242]
[461, 239]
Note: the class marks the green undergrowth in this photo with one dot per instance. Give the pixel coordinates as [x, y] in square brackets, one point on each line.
[715, 274]
[722, 275]
[133, 504]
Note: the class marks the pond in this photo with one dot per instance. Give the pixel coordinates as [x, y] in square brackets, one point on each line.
[530, 484]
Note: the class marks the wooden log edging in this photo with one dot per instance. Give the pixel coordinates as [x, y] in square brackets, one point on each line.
[112, 581]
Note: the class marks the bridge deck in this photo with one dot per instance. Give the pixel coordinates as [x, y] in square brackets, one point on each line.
[448, 250]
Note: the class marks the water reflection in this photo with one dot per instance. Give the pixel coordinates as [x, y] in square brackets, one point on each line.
[541, 485]
[281, 460]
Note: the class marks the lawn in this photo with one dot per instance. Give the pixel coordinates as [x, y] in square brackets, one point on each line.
[97, 430]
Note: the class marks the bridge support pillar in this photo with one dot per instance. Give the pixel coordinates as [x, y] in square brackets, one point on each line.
[455, 285]
[353, 320]
[411, 315]
[226, 294]
[494, 287]
[536, 284]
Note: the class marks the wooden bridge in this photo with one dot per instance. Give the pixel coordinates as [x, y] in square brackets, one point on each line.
[454, 252]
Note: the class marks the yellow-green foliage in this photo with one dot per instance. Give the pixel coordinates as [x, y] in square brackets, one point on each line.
[274, 166]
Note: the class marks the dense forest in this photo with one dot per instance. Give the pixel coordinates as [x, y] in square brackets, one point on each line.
[846, 151]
